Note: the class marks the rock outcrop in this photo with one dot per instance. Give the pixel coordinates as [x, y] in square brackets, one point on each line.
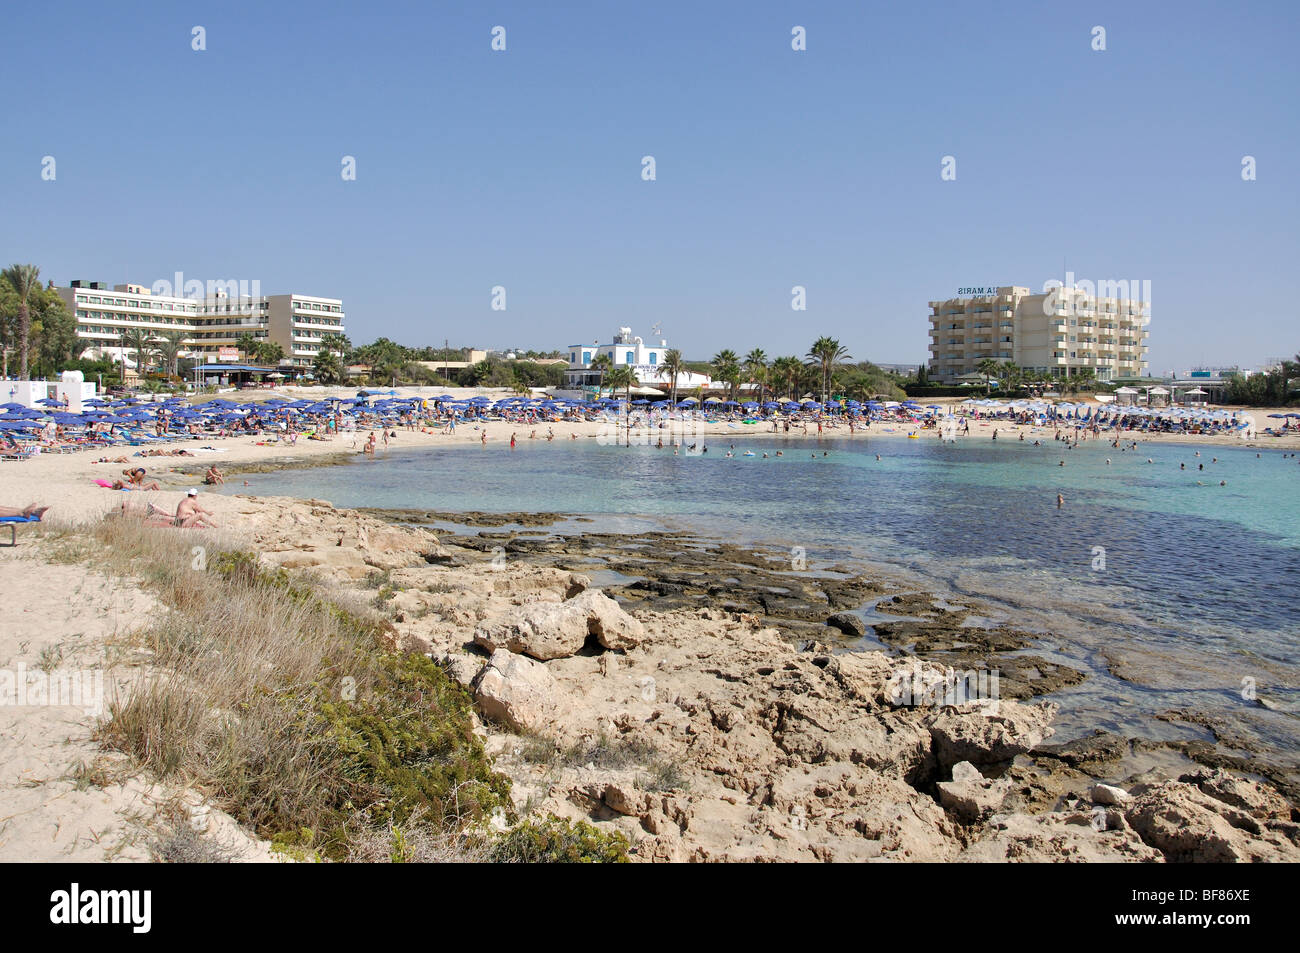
[518, 692]
[1215, 817]
[548, 630]
[970, 796]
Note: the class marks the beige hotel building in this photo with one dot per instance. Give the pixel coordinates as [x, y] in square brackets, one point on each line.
[1059, 332]
[300, 324]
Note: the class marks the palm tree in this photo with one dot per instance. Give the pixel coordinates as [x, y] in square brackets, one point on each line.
[168, 347]
[268, 352]
[673, 366]
[625, 378]
[601, 363]
[786, 370]
[247, 345]
[1012, 376]
[726, 367]
[827, 352]
[756, 368]
[326, 367]
[137, 340]
[1085, 379]
[990, 369]
[25, 279]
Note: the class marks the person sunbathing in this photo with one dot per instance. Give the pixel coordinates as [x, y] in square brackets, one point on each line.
[190, 514]
[27, 512]
[135, 480]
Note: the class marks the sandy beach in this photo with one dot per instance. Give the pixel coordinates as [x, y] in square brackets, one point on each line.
[64, 481]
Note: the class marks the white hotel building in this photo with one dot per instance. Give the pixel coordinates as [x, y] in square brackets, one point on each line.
[1058, 332]
[300, 324]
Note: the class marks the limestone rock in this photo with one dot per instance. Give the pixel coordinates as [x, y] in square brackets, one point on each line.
[1109, 794]
[550, 630]
[987, 738]
[1057, 838]
[462, 668]
[544, 630]
[1256, 799]
[519, 692]
[969, 796]
[1190, 824]
[848, 623]
[607, 621]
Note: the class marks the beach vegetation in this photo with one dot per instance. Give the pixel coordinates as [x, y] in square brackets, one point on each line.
[757, 371]
[602, 364]
[725, 367]
[554, 840]
[826, 354]
[23, 281]
[673, 367]
[286, 709]
[1277, 387]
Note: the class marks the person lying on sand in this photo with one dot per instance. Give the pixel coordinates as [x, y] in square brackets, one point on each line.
[135, 479]
[112, 460]
[27, 511]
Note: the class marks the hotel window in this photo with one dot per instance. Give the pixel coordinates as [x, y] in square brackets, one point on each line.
[586, 357]
[654, 358]
[630, 357]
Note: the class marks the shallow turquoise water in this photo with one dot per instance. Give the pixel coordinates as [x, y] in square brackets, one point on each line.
[1201, 581]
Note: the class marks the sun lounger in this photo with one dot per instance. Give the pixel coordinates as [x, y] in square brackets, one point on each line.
[11, 522]
[22, 451]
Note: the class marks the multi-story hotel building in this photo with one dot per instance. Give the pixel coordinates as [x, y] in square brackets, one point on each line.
[1058, 332]
[300, 324]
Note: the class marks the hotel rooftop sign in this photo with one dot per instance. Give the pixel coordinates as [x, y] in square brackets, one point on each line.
[977, 291]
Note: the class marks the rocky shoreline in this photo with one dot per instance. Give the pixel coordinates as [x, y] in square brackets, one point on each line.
[713, 703]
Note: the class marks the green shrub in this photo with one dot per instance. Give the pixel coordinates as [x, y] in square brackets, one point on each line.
[553, 840]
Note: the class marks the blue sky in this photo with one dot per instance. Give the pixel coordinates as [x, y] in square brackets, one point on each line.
[775, 168]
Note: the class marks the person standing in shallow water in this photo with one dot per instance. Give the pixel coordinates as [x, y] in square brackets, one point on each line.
[1060, 501]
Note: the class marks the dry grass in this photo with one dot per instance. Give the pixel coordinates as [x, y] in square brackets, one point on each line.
[281, 707]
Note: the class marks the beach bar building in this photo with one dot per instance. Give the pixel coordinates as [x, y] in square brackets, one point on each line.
[626, 350]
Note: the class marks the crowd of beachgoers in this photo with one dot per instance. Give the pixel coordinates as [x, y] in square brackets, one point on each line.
[138, 423]
[108, 441]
